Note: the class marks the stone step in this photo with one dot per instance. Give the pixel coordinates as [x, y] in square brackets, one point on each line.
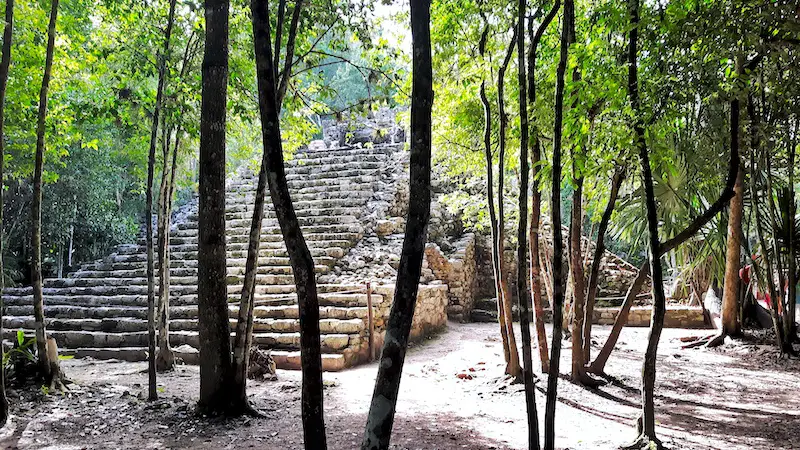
[246, 213]
[333, 178]
[272, 222]
[182, 312]
[306, 212]
[129, 325]
[266, 238]
[272, 229]
[340, 151]
[331, 343]
[335, 167]
[289, 360]
[318, 242]
[331, 156]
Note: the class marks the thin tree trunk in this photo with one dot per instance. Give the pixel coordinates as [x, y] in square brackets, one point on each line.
[647, 438]
[791, 305]
[558, 243]
[597, 259]
[151, 162]
[768, 279]
[487, 146]
[730, 287]
[523, 295]
[216, 373]
[299, 254]
[384, 400]
[512, 368]
[5, 63]
[165, 358]
[536, 196]
[45, 365]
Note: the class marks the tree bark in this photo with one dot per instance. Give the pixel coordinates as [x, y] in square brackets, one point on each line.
[597, 259]
[523, 295]
[5, 63]
[647, 438]
[513, 368]
[384, 400]
[536, 195]
[165, 358]
[299, 254]
[487, 147]
[730, 288]
[558, 243]
[151, 162]
[212, 291]
[791, 304]
[36, 207]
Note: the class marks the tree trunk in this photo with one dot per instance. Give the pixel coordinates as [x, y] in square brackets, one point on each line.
[244, 325]
[151, 162]
[594, 271]
[165, 358]
[536, 196]
[767, 279]
[5, 63]
[791, 306]
[558, 243]
[513, 368]
[212, 290]
[730, 288]
[578, 278]
[647, 438]
[487, 147]
[36, 208]
[299, 254]
[384, 400]
[599, 364]
[523, 295]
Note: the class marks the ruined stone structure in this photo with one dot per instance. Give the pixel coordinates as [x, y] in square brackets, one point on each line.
[350, 192]
[340, 194]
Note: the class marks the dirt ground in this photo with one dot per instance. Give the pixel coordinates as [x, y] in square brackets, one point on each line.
[735, 397]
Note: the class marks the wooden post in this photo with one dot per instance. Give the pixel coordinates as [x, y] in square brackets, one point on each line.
[370, 324]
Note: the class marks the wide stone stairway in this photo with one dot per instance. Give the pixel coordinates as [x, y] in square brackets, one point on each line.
[101, 309]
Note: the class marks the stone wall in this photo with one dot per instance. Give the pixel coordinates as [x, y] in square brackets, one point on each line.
[430, 314]
[676, 317]
[458, 270]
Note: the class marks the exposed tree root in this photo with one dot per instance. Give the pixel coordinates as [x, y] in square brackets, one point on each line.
[165, 360]
[644, 442]
[584, 378]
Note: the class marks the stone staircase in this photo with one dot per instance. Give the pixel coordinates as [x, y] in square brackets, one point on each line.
[100, 310]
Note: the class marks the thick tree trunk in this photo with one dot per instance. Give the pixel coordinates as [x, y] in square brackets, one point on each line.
[36, 207]
[212, 291]
[523, 294]
[536, 196]
[487, 148]
[299, 254]
[597, 259]
[558, 243]
[513, 368]
[791, 304]
[730, 288]
[384, 400]
[5, 63]
[151, 162]
[647, 438]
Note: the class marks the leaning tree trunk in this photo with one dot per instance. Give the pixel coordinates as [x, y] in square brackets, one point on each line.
[212, 289]
[5, 62]
[730, 288]
[384, 400]
[46, 366]
[523, 295]
[558, 243]
[244, 324]
[299, 254]
[151, 162]
[513, 368]
[536, 195]
[597, 259]
[647, 438]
